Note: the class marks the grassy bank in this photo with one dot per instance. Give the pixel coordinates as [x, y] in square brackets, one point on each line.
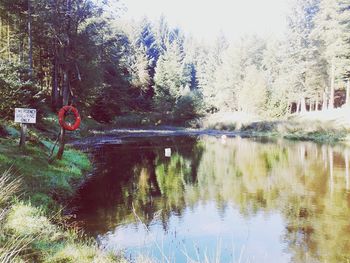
[329, 126]
[32, 226]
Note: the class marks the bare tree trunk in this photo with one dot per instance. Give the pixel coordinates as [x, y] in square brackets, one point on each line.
[316, 104]
[66, 80]
[62, 144]
[347, 101]
[65, 91]
[298, 106]
[65, 100]
[302, 105]
[30, 42]
[331, 98]
[324, 102]
[55, 91]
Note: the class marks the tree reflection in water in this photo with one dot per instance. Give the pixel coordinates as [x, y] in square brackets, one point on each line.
[307, 184]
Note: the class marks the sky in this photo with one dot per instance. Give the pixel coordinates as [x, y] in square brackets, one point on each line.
[206, 19]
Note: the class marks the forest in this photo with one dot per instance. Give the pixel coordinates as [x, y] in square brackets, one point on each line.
[81, 53]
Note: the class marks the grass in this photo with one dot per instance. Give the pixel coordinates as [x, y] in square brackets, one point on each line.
[330, 126]
[27, 234]
[318, 136]
[32, 228]
[9, 247]
[43, 181]
[48, 242]
[228, 121]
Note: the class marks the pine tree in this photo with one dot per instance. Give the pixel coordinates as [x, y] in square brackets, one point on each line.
[171, 80]
[300, 51]
[330, 34]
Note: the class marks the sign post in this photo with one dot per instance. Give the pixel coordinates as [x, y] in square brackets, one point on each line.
[24, 117]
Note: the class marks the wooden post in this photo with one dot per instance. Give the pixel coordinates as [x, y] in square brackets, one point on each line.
[22, 141]
[61, 143]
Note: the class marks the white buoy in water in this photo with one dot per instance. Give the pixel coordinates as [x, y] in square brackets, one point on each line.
[223, 139]
[167, 152]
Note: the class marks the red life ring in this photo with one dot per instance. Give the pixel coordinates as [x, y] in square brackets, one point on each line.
[62, 115]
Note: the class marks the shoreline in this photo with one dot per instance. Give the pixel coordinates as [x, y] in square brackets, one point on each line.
[116, 136]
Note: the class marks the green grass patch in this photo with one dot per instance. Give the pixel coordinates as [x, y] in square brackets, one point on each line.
[39, 176]
[318, 136]
[31, 226]
[47, 242]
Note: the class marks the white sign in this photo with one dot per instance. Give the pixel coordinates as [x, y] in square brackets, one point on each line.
[25, 115]
[167, 152]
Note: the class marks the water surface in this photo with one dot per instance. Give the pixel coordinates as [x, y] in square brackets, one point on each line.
[234, 199]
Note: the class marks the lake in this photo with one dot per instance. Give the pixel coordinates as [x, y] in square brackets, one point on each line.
[218, 200]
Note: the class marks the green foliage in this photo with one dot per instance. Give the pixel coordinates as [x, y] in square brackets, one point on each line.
[318, 136]
[83, 55]
[170, 81]
[16, 89]
[188, 107]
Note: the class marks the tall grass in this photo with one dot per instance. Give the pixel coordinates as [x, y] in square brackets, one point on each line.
[9, 187]
[10, 247]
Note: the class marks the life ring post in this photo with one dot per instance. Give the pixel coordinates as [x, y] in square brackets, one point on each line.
[62, 115]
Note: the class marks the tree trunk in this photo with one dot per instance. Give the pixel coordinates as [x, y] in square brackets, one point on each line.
[298, 107]
[302, 105]
[331, 98]
[324, 102]
[65, 100]
[55, 91]
[30, 42]
[62, 144]
[66, 80]
[65, 91]
[316, 104]
[347, 102]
